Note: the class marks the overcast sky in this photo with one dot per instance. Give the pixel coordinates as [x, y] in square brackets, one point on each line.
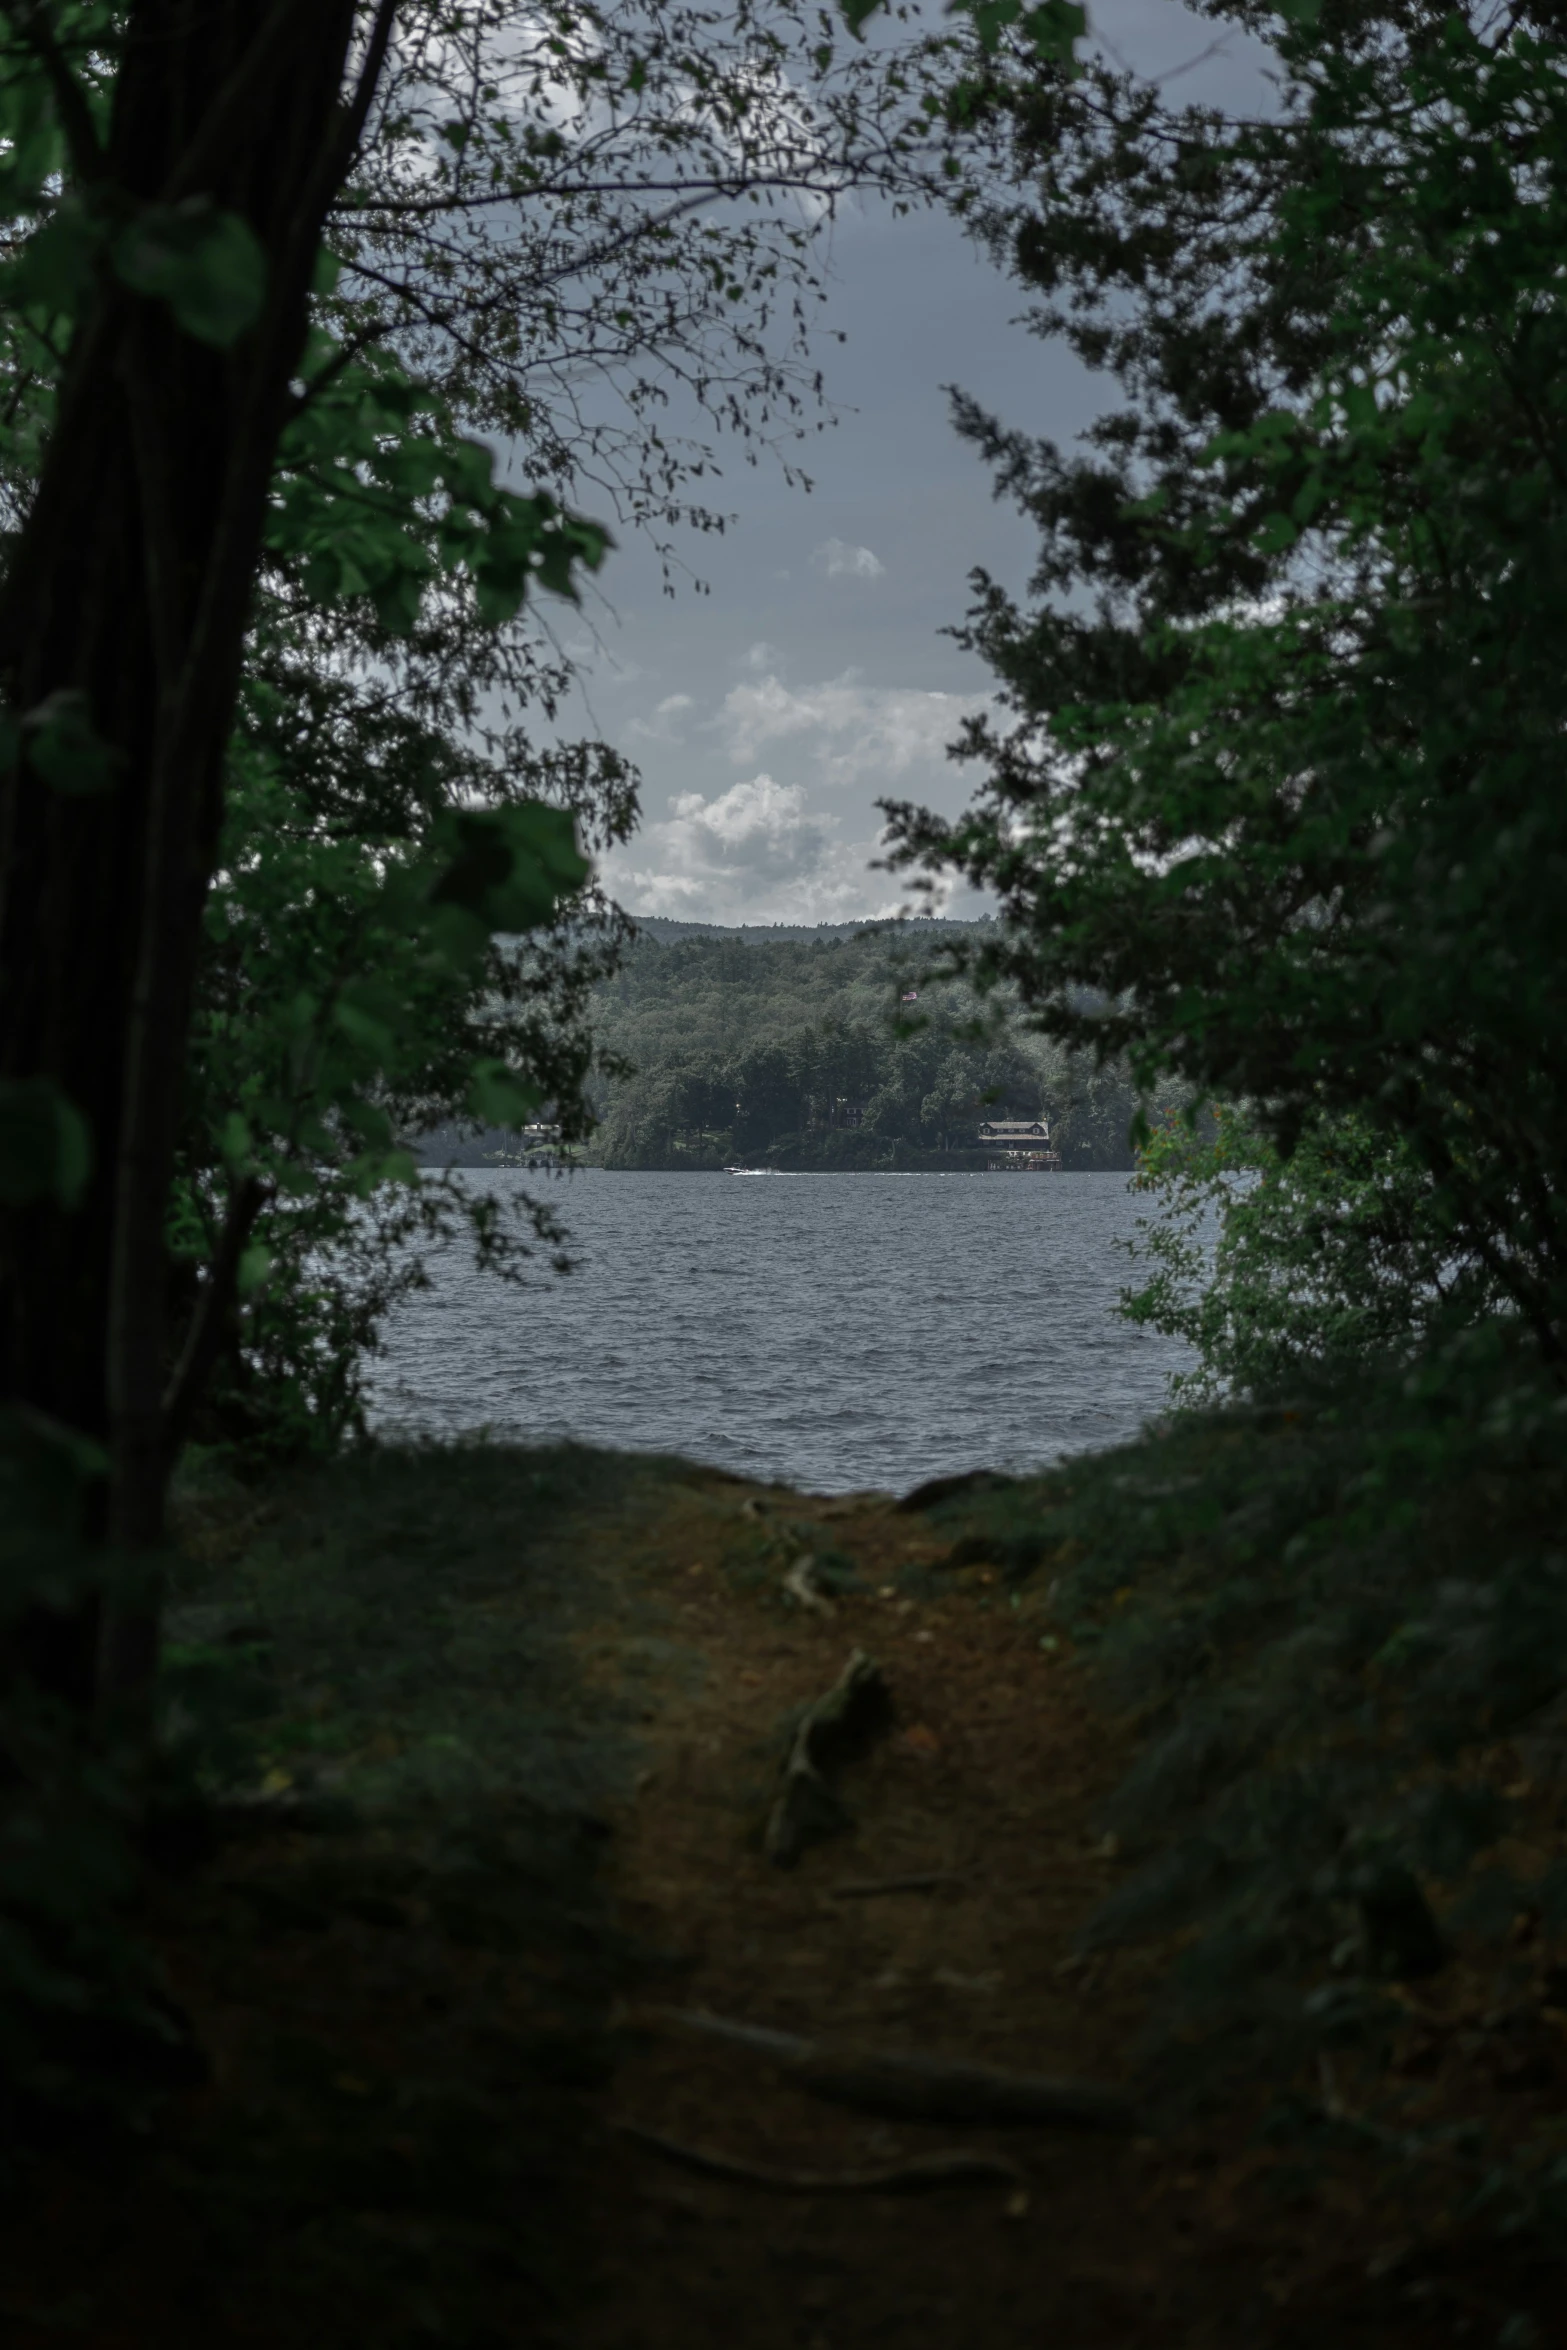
[769, 715]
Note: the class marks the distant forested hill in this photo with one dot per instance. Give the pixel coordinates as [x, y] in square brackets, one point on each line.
[798, 1048]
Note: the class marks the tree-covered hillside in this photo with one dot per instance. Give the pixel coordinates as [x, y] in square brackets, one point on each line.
[842, 1051]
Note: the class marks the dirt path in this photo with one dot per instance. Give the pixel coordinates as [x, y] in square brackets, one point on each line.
[991, 1781]
[547, 1696]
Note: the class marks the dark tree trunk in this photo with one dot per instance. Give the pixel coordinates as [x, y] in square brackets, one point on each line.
[131, 584]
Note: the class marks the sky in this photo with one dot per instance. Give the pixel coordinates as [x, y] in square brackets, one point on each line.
[770, 713]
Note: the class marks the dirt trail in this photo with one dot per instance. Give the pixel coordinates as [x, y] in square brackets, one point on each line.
[991, 1781]
[548, 1694]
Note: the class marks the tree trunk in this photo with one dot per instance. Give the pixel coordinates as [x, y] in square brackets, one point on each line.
[130, 584]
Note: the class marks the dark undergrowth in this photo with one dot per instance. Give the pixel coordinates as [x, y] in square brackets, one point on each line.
[380, 1948]
[1338, 1626]
[351, 2100]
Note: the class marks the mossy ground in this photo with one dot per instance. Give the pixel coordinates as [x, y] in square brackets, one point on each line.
[489, 1734]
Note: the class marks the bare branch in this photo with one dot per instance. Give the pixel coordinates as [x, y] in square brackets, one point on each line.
[369, 77]
[204, 1339]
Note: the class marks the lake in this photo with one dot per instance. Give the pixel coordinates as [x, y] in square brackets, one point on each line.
[834, 1332]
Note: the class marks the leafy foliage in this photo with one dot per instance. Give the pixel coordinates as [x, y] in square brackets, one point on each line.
[806, 1054]
[1286, 1275]
[362, 980]
[1283, 783]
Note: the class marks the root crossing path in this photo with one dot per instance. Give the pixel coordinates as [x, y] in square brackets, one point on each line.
[939, 1922]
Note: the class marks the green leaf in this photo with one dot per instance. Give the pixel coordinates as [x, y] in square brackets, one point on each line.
[369, 1122]
[370, 1009]
[469, 471]
[1275, 534]
[207, 265]
[1051, 30]
[397, 600]
[235, 1140]
[456, 936]
[254, 1266]
[45, 1147]
[509, 866]
[64, 748]
[55, 267]
[36, 146]
[498, 1096]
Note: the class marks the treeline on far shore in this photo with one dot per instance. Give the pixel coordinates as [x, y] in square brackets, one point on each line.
[842, 1052]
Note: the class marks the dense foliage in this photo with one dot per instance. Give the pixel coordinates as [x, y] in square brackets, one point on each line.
[1285, 1274]
[1283, 780]
[836, 1053]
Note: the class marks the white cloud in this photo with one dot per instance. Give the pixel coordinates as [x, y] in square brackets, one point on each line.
[797, 838]
[747, 812]
[856, 731]
[664, 725]
[841, 561]
[753, 853]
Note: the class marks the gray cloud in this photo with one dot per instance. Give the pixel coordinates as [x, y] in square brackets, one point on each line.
[855, 731]
[841, 561]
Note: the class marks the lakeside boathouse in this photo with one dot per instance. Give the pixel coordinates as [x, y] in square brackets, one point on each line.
[1025, 1143]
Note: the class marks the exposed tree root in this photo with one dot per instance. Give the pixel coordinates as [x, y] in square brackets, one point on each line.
[957, 2167]
[840, 1725]
[863, 1888]
[921, 2088]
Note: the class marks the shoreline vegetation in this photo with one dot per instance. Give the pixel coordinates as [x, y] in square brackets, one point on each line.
[836, 1051]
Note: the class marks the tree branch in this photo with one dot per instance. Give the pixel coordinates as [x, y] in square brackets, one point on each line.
[245, 89]
[88, 159]
[718, 187]
[369, 80]
[204, 1338]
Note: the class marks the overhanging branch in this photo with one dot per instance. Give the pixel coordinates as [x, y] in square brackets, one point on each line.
[34, 22]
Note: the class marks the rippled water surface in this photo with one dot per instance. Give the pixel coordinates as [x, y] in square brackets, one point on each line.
[831, 1331]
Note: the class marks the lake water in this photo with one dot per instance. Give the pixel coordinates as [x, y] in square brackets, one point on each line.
[830, 1331]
